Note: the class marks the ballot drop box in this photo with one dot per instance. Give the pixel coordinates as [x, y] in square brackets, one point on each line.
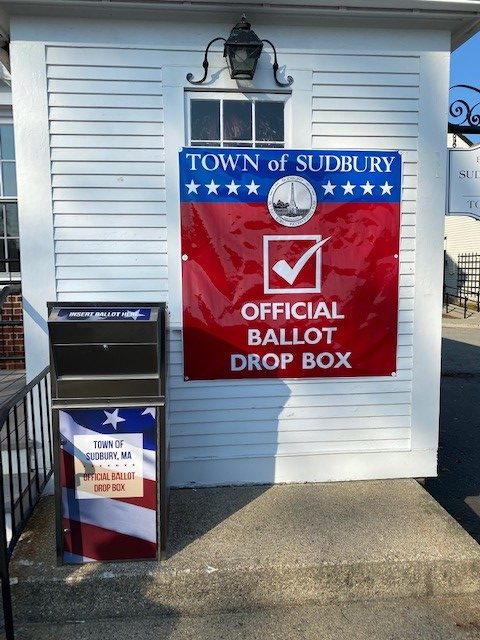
[108, 378]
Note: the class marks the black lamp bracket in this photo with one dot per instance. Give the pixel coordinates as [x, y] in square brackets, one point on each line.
[275, 67]
[240, 25]
[204, 64]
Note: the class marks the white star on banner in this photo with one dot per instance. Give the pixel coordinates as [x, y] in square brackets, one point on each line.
[367, 188]
[386, 188]
[113, 418]
[212, 187]
[232, 188]
[329, 187]
[252, 188]
[348, 188]
[192, 187]
[149, 411]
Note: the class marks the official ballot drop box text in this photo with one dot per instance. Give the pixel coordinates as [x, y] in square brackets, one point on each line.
[108, 375]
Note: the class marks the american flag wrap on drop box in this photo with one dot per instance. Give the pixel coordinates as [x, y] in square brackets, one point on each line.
[108, 484]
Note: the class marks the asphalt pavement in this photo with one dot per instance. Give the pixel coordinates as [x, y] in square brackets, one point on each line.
[457, 487]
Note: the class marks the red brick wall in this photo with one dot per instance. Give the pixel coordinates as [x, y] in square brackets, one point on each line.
[11, 337]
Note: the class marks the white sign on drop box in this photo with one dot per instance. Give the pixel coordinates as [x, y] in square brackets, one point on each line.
[464, 182]
[108, 466]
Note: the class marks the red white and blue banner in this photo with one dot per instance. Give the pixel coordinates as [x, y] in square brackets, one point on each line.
[290, 262]
[108, 483]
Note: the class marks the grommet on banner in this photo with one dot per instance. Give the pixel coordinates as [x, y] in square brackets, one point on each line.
[393, 374]
[184, 257]
[396, 255]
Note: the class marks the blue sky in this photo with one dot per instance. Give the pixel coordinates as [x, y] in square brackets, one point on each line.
[465, 68]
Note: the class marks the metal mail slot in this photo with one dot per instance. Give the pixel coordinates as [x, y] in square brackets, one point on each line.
[108, 387]
[104, 359]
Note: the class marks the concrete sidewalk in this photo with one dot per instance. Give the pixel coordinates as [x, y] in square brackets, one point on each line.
[236, 549]
[454, 318]
[457, 487]
[445, 618]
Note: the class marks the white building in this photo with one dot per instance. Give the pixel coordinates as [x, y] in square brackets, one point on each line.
[102, 105]
[462, 235]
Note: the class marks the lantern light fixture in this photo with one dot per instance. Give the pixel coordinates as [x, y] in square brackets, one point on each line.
[242, 51]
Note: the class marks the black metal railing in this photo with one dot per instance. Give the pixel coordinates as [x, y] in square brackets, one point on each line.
[468, 273]
[453, 298]
[26, 465]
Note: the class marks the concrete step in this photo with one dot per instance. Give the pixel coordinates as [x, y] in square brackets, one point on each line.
[248, 548]
[444, 618]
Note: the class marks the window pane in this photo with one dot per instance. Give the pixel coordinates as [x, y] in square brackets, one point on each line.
[2, 256]
[205, 119]
[12, 220]
[201, 143]
[269, 121]
[7, 150]
[270, 145]
[237, 120]
[237, 144]
[13, 249]
[9, 179]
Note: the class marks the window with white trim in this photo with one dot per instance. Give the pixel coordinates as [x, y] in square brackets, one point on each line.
[237, 120]
[9, 234]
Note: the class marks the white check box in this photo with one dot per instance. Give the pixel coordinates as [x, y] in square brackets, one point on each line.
[288, 272]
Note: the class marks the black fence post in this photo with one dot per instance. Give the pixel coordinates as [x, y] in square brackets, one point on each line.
[4, 572]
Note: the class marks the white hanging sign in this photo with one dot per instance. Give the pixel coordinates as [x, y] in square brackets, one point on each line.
[464, 182]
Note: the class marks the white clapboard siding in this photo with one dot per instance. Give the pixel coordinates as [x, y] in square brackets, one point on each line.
[111, 221]
[298, 449]
[108, 173]
[109, 87]
[110, 141]
[108, 188]
[115, 259]
[322, 426]
[96, 114]
[106, 206]
[115, 169]
[112, 296]
[462, 235]
[71, 72]
[106, 128]
[364, 102]
[107, 154]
